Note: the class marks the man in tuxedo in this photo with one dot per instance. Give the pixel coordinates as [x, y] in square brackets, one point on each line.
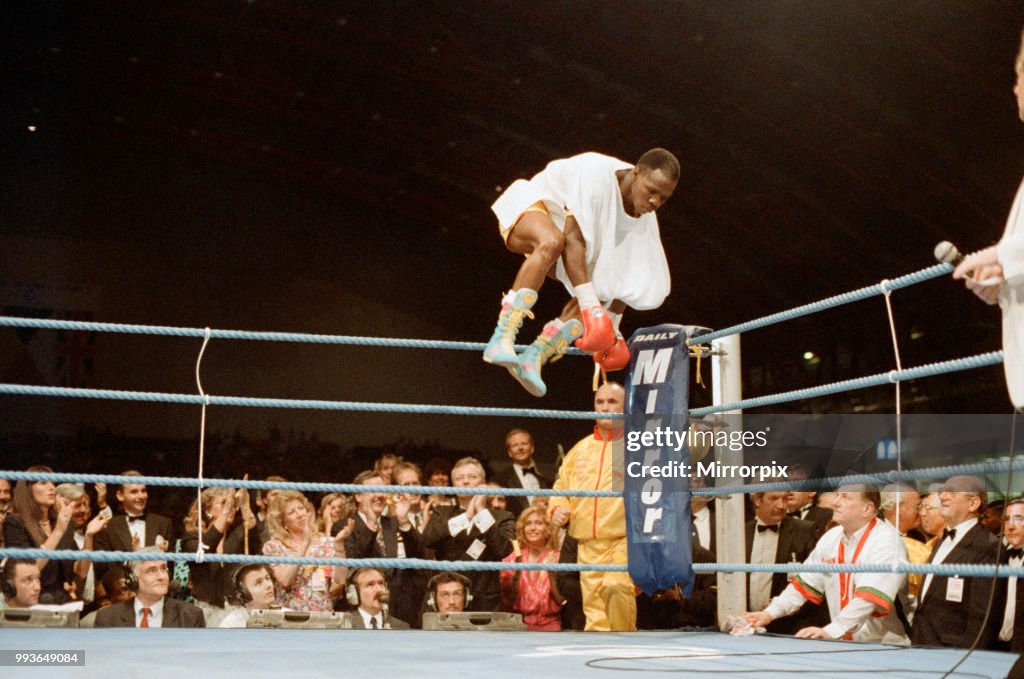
[150, 607]
[800, 504]
[471, 531]
[952, 610]
[135, 528]
[773, 537]
[522, 473]
[367, 590]
[702, 516]
[376, 536]
[1011, 631]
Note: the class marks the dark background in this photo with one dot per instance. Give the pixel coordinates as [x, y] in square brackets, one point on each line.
[328, 167]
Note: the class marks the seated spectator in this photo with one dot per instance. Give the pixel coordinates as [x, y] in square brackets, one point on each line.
[533, 593]
[21, 584]
[84, 534]
[438, 473]
[223, 533]
[252, 589]
[42, 519]
[393, 537]
[470, 531]
[496, 501]
[334, 507]
[151, 607]
[384, 466]
[367, 591]
[448, 592]
[5, 505]
[134, 528]
[291, 523]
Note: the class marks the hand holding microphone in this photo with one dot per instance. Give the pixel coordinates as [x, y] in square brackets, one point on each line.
[987, 277]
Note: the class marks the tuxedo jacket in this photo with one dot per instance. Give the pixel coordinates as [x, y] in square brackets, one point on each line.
[115, 537]
[176, 614]
[407, 586]
[940, 622]
[357, 622]
[1017, 640]
[507, 478]
[484, 585]
[820, 518]
[797, 538]
[695, 540]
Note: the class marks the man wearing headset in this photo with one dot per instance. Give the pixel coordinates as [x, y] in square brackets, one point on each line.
[253, 590]
[150, 607]
[448, 593]
[367, 592]
[21, 584]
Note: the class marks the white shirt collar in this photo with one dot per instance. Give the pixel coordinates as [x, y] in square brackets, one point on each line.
[367, 617]
[156, 612]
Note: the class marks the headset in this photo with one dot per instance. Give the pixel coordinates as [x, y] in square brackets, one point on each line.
[7, 586]
[432, 588]
[352, 589]
[238, 580]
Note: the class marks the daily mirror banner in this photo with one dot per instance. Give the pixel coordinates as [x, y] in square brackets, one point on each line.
[657, 508]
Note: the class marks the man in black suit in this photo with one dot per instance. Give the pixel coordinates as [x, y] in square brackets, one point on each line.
[367, 591]
[801, 504]
[952, 610]
[392, 537]
[150, 607]
[1011, 632]
[522, 473]
[702, 517]
[135, 528]
[470, 531]
[772, 537]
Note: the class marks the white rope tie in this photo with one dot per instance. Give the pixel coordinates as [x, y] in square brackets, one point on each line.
[200, 547]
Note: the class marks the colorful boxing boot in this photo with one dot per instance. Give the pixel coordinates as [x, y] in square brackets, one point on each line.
[598, 332]
[615, 358]
[515, 307]
[550, 345]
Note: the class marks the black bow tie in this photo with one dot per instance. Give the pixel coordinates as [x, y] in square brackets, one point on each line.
[949, 533]
[798, 514]
[762, 528]
[530, 470]
[1014, 552]
[140, 517]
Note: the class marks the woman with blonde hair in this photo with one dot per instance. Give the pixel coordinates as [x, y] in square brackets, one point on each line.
[533, 593]
[292, 524]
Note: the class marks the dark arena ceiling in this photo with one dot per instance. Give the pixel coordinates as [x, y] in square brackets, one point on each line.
[825, 146]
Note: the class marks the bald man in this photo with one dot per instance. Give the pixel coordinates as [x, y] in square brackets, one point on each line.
[599, 524]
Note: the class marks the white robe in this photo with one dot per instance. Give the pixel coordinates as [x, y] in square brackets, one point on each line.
[1011, 299]
[624, 254]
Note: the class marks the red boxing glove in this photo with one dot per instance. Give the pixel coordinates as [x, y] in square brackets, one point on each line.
[615, 358]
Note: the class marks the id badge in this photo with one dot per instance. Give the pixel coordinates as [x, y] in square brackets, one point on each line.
[476, 549]
[318, 582]
[955, 590]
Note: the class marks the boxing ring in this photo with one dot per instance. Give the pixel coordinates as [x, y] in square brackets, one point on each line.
[256, 652]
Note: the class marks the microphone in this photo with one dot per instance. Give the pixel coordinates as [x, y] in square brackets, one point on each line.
[947, 253]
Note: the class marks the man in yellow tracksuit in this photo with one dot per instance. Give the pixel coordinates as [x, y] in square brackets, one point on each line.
[599, 524]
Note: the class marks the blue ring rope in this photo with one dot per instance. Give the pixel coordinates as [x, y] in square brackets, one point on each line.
[974, 570]
[933, 271]
[200, 333]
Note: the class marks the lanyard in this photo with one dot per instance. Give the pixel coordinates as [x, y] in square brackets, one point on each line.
[846, 578]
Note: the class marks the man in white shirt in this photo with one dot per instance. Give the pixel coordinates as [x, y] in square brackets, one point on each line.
[588, 220]
[367, 590]
[862, 606]
[254, 590]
